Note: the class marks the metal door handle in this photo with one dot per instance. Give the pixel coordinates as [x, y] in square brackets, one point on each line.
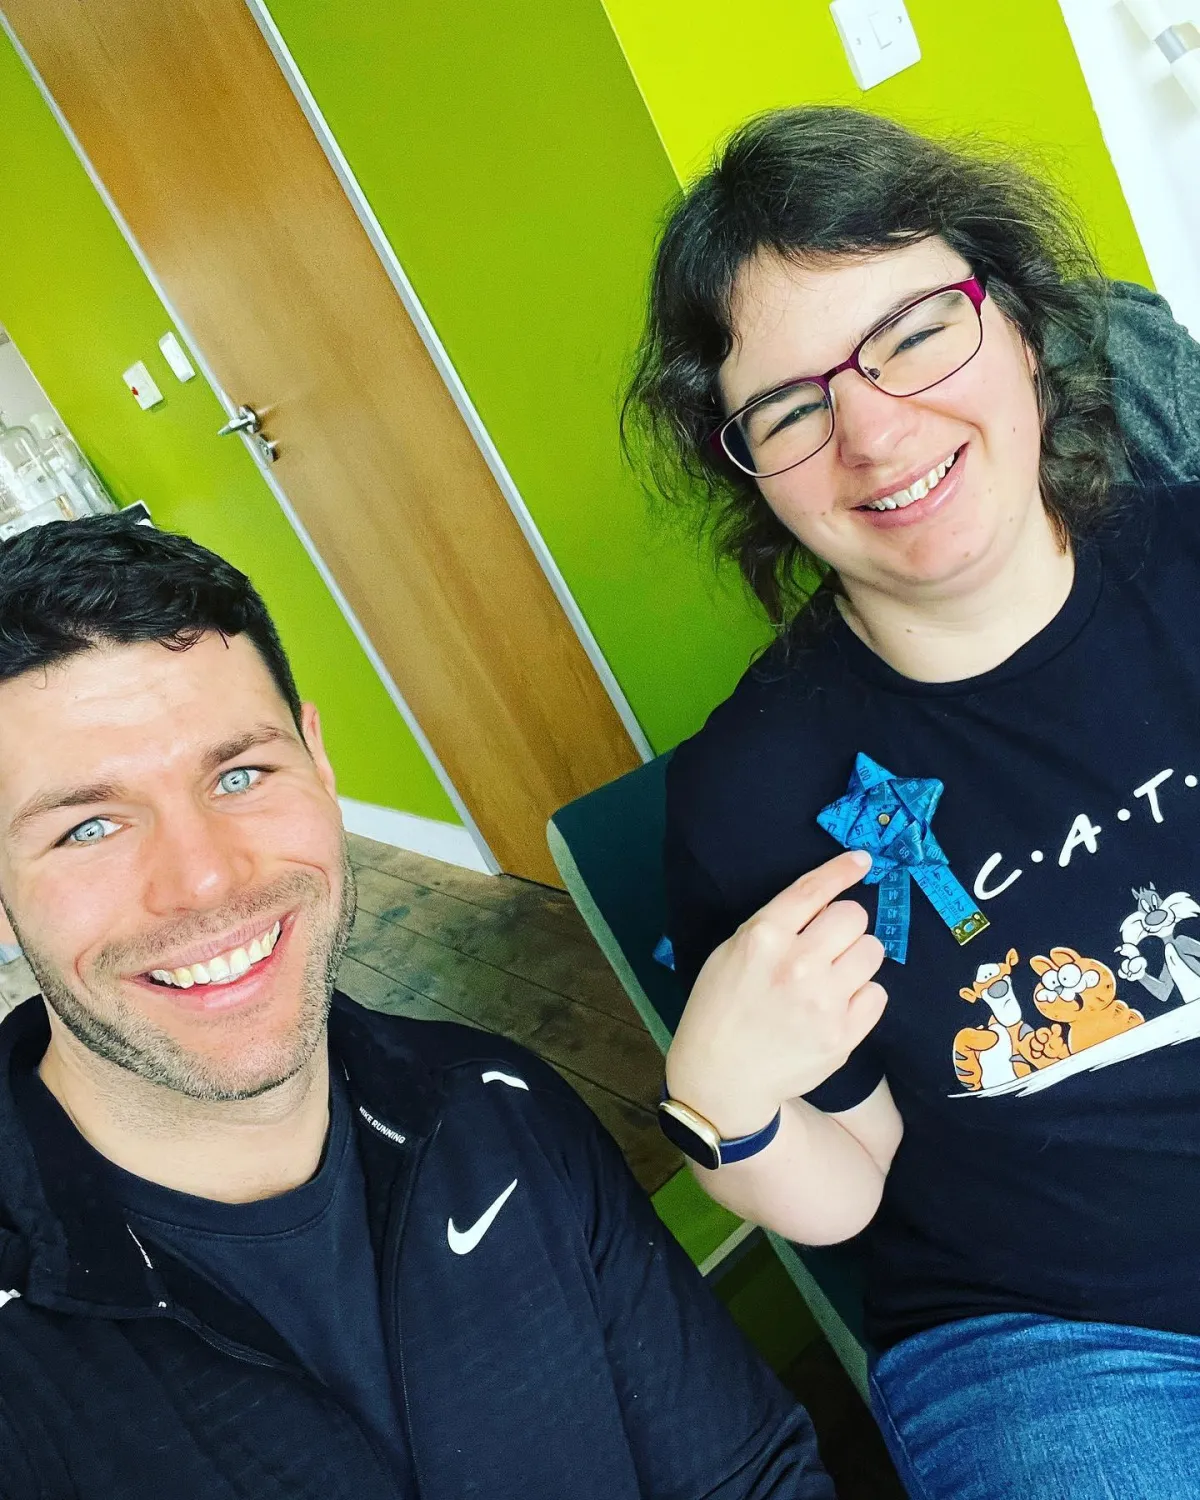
[247, 420]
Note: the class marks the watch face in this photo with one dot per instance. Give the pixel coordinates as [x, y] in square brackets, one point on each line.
[694, 1136]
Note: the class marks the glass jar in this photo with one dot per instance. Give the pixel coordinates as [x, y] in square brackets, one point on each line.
[78, 480]
[26, 472]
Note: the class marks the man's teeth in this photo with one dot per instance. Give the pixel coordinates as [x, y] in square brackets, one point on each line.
[223, 969]
[915, 491]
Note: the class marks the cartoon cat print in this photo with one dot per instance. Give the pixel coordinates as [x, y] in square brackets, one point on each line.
[1002, 1049]
[1158, 917]
[1076, 995]
[1080, 994]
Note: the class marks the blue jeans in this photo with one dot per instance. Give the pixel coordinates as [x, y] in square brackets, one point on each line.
[1018, 1407]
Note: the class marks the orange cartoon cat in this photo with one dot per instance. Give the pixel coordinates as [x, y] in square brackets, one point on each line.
[1007, 1047]
[1082, 994]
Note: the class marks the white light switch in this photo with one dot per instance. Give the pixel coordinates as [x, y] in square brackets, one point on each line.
[172, 352]
[878, 37]
[141, 386]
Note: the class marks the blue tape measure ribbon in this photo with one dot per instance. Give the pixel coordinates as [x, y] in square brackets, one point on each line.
[889, 817]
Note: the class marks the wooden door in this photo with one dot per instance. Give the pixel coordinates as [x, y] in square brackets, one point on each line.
[193, 129]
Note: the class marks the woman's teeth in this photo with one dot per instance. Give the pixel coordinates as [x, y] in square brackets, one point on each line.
[225, 967]
[915, 491]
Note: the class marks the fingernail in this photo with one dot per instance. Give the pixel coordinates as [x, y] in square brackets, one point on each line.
[863, 858]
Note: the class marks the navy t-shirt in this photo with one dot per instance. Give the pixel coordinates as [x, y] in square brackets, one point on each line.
[303, 1261]
[1047, 1070]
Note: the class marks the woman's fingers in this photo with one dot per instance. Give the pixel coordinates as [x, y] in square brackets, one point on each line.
[833, 931]
[857, 965]
[799, 903]
[864, 1011]
[779, 1006]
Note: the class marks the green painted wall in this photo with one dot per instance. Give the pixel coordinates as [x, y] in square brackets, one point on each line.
[1011, 76]
[81, 311]
[513, 165]
[520, 177]
[519, 165]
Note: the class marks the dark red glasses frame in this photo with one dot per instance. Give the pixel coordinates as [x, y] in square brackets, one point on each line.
[975, 288]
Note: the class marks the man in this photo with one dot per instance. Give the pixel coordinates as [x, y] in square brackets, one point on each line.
[249, 1246]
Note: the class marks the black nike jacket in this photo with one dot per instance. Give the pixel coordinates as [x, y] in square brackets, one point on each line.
[572, 1354]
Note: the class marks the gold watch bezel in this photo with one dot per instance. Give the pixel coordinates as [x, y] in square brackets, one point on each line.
[704, 1130]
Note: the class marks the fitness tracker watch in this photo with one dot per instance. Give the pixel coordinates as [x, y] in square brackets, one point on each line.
[698, 1138]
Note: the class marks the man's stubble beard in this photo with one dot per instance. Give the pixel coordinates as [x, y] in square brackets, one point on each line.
[133, 1043]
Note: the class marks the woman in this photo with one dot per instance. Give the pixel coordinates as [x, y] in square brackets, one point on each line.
[883, 363]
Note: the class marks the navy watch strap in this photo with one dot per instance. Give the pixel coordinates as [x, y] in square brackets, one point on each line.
[744, 1146]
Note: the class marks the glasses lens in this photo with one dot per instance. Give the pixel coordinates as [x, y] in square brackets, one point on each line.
[923, 345]
[780, 431]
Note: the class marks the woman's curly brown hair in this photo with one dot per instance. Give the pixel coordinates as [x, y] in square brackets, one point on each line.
[814, 182]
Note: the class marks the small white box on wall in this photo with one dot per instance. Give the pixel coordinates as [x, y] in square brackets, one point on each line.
[141, 386]
[878, 37]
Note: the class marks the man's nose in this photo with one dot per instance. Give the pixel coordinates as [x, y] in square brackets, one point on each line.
[197, 862]
[869, 425]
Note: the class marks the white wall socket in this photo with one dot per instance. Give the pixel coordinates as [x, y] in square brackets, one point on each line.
[142, 386]
[878, 37]
[172, 352]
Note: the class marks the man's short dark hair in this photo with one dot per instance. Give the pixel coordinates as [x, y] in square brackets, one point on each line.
[72, 585]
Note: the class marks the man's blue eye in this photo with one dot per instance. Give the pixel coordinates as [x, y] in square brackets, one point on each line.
[241, 779]
[90, 832]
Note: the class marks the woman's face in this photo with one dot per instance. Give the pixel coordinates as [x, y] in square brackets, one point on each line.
[794, 320]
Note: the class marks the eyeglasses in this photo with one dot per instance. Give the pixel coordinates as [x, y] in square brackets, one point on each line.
[912, 351]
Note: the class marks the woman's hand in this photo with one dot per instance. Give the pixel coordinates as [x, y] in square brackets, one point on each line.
[780, 1006]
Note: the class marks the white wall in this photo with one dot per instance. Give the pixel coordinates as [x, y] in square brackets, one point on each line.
[1152, 130]
[20, 394]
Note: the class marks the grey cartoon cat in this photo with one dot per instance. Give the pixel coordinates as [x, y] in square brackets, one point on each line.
[1157, 917]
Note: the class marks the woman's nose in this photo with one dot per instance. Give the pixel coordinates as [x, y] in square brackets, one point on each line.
[869, 425]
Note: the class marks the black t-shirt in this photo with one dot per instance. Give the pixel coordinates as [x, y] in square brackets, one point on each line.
[303, 1261]
[1047, 1071]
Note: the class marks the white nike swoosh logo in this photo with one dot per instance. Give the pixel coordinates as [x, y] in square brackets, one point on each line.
[12, 1296]
[463, 1241]
[495, 1076]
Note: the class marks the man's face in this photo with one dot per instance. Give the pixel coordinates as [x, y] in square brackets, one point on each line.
[173, 861]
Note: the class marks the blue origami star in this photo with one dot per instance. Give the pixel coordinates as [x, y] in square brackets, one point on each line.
[889, 817]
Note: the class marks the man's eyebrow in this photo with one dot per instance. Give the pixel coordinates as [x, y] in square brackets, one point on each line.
[238, 744]
[55, 799]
